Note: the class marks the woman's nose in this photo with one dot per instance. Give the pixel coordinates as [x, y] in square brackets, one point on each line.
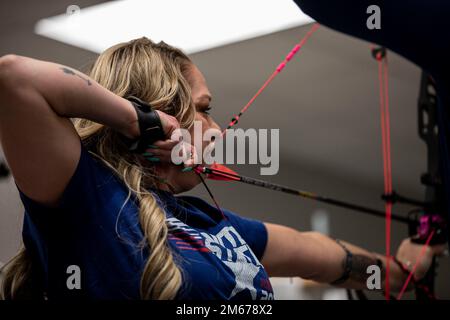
[213, 124]
[216, 126]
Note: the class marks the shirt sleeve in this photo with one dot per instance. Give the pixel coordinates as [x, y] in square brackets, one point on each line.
[95, 227]
[253, 231]
[82, 193]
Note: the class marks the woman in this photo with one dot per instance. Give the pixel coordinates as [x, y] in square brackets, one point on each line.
[95, 209]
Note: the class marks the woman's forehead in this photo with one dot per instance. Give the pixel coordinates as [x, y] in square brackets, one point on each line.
[199, 88]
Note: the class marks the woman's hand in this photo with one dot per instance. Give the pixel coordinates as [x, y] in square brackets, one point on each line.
[169, 123]
[409, 253]
[161, 152]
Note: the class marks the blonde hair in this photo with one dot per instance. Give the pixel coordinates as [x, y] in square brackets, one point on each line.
[152, 72]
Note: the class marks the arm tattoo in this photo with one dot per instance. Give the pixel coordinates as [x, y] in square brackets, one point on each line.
[360, 264]
[71, 72]
[355, 266]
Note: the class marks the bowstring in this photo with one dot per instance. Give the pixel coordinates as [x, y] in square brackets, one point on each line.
[279, 68]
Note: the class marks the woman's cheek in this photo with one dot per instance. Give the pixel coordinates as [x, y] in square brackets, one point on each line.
[207, 123]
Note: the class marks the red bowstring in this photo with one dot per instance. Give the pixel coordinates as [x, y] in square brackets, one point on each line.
[280, 67]
[386, 151]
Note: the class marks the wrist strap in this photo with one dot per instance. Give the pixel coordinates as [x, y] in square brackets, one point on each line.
[347, 266]
[150, 126]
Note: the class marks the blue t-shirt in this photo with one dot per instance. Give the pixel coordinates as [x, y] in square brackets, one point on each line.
[93, 234]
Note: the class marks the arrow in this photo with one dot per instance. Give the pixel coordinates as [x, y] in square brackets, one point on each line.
[222, 173]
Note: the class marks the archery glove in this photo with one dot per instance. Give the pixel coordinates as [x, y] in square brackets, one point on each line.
[150, 126]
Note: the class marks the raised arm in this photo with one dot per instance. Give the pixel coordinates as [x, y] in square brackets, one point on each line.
[41, 145]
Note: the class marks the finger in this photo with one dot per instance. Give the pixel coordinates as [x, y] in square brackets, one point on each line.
[190, 163]
[162, 155]
[163, 144]
[439, 249]
[168, 122]
[191, 156]
[187, 153]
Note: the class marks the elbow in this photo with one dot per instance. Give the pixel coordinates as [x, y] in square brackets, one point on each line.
[12, 80]
[9, 70]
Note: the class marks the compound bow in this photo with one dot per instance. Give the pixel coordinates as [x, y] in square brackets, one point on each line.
[427, 222]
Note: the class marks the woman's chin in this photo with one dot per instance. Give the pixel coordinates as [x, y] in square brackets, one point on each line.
[187, 183]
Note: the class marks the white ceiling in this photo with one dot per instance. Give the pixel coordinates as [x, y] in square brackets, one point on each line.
[194, 25]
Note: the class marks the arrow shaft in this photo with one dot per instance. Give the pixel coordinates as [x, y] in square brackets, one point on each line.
[301, 193]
